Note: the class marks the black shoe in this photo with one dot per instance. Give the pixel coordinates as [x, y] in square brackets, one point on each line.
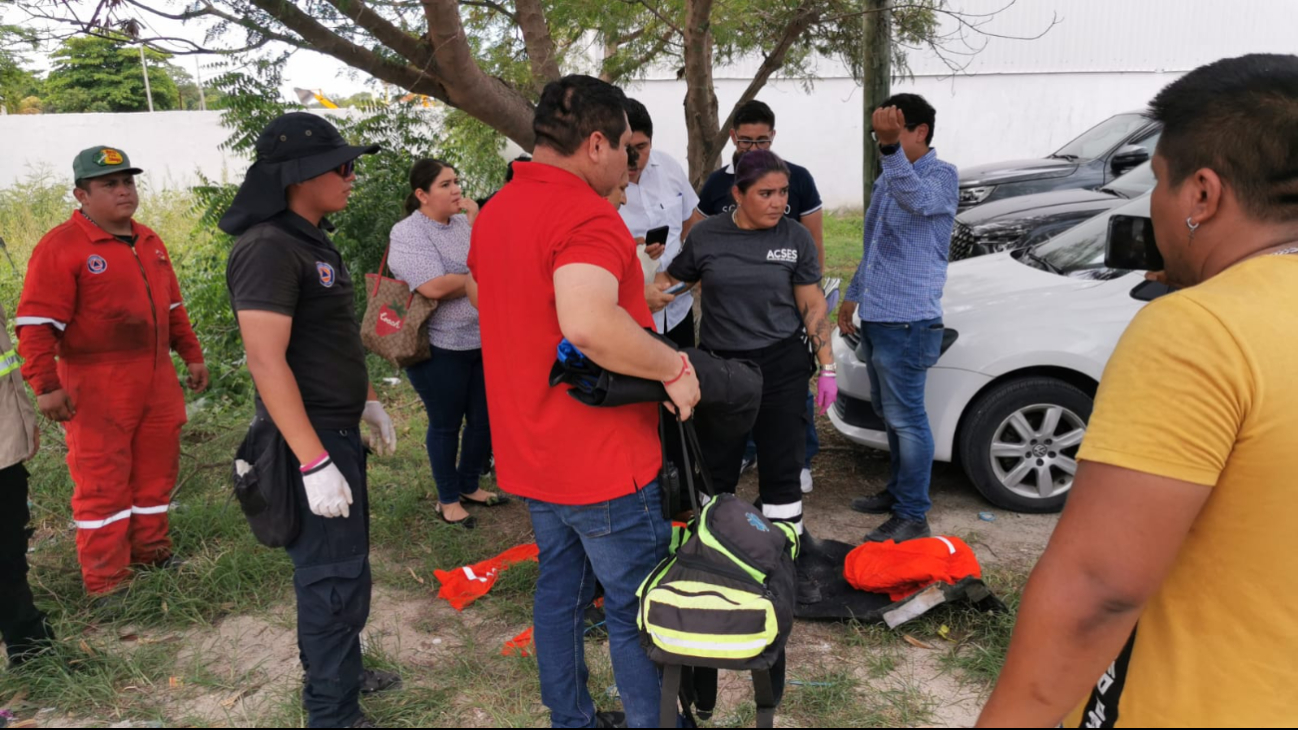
[610, 719]
[900, 529]
[467, 523]
[364, 722]
[875, 504]
[374, 681]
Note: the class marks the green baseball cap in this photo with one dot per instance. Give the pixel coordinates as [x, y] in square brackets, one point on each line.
[101, 160]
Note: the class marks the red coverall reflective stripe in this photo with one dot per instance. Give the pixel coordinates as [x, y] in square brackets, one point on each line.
[99, 318]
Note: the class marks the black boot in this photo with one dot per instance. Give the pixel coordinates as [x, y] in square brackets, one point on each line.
[900, 529]
[610, 719]
[875, 504]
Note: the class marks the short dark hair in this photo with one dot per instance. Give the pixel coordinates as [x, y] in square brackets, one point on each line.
[575, 107]
[638, 116]
[917, 110]
[81, 184]
[755, 165]
[509, 167]
[422, 176]
[1205, 114]
[753, 112]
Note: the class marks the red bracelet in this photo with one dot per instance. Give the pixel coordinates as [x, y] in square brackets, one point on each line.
[685, 368]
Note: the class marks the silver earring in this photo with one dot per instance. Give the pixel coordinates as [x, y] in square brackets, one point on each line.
[1189, 223]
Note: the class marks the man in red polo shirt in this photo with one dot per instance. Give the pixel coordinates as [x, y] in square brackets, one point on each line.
[99, 316]
[551, 259]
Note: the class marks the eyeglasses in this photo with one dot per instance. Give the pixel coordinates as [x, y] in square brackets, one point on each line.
[761, 143]
[347, 169]
[909, 128]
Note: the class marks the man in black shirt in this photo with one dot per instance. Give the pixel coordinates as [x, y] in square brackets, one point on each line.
[293, 296]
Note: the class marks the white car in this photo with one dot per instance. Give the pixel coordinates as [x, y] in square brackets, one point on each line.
[1028, 335]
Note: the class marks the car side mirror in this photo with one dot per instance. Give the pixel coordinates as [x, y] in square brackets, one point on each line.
[1128, 157]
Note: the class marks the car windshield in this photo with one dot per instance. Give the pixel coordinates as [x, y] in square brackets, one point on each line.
[1102, 137]
[1079, 251]
[1135, 183]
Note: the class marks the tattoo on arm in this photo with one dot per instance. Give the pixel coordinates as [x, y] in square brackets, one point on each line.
[819, 331]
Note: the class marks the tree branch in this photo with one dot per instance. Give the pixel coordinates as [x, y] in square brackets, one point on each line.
[666, 21]
[468, 87]
[538, 42]
[803, 18]
[638, 61]
[489, 5]
[387, 33]
[319, 38]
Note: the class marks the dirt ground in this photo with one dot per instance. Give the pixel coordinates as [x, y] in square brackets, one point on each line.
[243, 671]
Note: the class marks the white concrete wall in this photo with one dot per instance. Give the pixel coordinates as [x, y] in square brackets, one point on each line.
[171, 147]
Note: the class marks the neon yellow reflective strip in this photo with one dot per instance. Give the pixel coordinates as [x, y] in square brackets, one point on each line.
[707, 649]
[9, 362]
[792, 534]
[706, 536]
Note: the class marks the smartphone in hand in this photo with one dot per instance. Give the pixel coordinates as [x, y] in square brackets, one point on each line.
[657, 236]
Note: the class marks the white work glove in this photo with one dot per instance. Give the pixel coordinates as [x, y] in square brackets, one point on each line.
[327, 491]
[383, 435]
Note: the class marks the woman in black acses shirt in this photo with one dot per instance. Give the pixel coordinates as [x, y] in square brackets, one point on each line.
[762, 302]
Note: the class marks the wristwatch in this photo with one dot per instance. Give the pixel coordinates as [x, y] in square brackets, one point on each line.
[830, 368]
[889, 149]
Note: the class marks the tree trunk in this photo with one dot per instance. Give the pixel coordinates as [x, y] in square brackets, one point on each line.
[700, 96]
[877, 80]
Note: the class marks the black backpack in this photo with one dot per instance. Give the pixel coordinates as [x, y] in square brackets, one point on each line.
[725, 598]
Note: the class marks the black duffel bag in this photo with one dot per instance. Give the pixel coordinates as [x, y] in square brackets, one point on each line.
[266, 479]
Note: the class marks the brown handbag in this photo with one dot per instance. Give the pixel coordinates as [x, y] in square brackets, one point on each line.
[396, 319]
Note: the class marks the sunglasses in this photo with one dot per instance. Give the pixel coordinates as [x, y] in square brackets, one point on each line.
[347, 169]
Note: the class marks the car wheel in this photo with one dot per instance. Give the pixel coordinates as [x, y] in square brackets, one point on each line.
[1020, 440]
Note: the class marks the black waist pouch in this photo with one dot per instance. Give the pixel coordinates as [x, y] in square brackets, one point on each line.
[266, 478]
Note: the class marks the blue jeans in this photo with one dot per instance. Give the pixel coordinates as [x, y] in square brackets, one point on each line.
[898, 357]
[617, 544]
[813, 439]
[454, 392]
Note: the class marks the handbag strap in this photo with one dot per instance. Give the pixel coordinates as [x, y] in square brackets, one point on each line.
[383, 266]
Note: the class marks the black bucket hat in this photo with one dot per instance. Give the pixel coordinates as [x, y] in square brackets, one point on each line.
[294, 148]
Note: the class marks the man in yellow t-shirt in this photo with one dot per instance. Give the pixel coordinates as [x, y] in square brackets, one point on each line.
[1167, 595]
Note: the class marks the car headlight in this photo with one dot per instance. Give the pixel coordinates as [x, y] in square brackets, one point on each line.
[975, 195]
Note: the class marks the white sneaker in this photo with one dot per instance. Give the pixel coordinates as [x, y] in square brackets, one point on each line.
[806, 481]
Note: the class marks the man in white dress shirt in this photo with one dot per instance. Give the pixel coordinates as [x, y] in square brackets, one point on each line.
[660, 195]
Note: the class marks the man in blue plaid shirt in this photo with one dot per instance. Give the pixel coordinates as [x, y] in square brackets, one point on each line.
[898, 287]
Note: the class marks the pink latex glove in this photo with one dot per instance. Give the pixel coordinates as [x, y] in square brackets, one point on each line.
[826, 392]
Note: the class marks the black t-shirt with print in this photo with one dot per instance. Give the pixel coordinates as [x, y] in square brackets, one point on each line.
[717, 198]
[288, 266]
[748, 280]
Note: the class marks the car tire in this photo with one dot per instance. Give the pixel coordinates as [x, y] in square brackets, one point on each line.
[1016, 415]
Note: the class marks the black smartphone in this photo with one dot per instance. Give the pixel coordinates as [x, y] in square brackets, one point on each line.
[680, 287]
[657, 236]
[1131, 244]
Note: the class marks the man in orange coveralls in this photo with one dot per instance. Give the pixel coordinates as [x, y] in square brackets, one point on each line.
[99, 315]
